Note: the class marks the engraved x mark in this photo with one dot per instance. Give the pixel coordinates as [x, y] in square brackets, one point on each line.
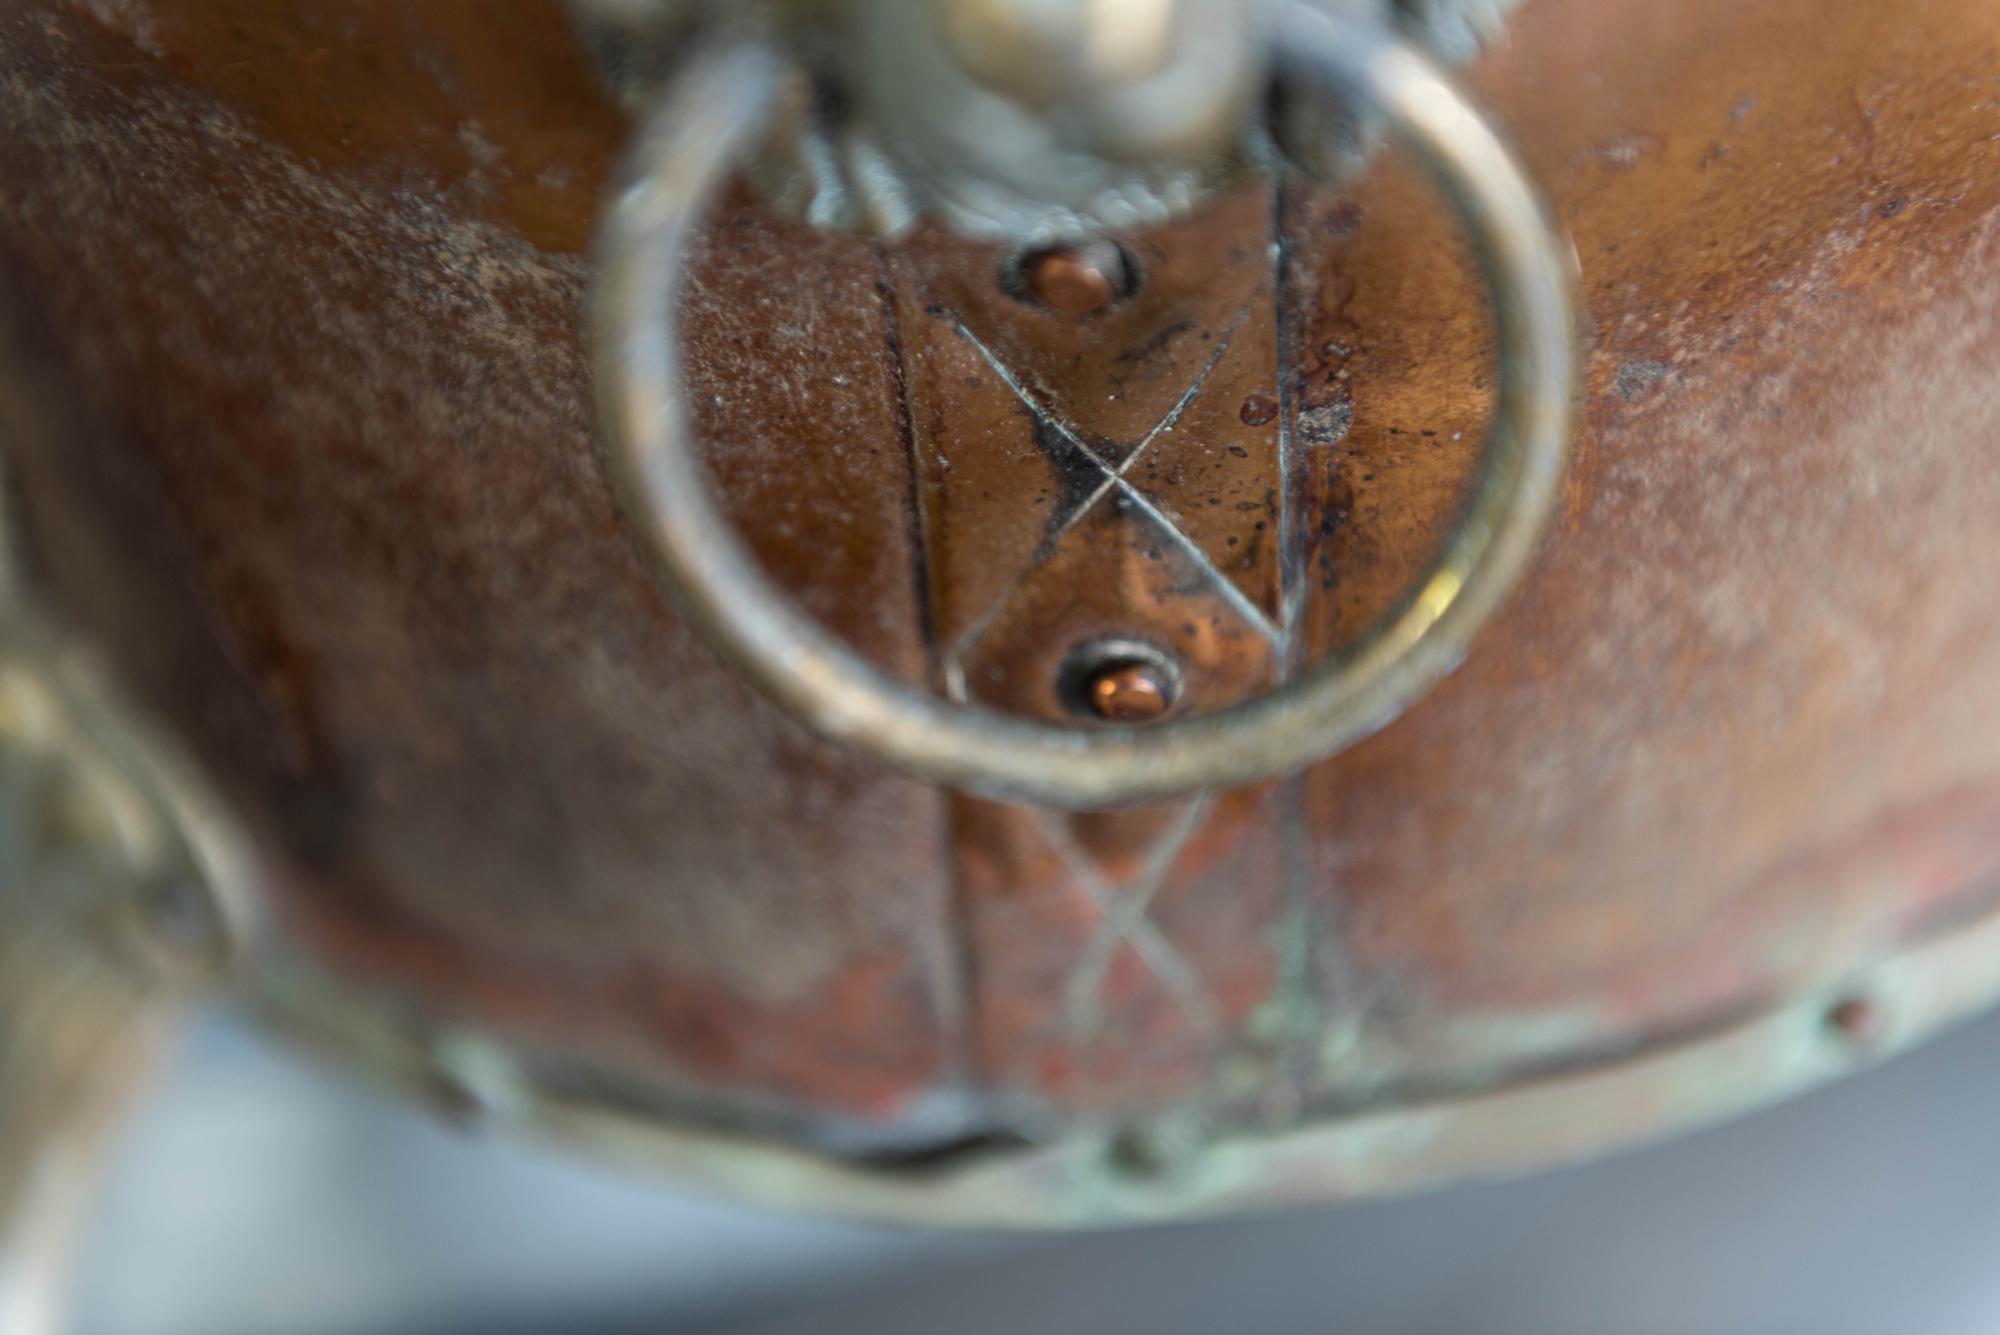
[1113, 481]
[1123, 921]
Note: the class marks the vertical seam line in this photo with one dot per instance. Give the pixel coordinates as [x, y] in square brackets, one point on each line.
[957, 998]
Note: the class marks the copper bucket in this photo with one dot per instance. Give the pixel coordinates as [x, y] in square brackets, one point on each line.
[1345, 686]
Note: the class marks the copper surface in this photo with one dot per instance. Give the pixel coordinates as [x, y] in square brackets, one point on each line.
[289, 303]
[1130, 693]
[1077, 280]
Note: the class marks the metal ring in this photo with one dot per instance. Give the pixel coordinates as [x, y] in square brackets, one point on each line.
[688, 146]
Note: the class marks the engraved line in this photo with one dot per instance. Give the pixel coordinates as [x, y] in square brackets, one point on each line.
[1291, 547]
[1134, 900]
[921, 522]
[1295, 1002]
[1226, 587]
[1160, 428]
[1244, 606]
[1179, 410]
[1027, 397]
[955, 974]
[1124, 920]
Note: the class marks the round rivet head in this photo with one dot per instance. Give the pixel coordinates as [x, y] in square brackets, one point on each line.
[1077, 280]
[1120, 680]
[1856, 1019]
[1130, 693]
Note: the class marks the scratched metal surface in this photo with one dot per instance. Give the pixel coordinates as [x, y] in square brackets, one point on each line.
[295, 293]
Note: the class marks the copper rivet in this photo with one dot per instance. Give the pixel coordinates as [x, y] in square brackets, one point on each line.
[1130, 693]
[1077, 280]
[1856, 1019]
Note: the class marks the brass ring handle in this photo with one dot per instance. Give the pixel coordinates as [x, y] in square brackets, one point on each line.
[711, 116]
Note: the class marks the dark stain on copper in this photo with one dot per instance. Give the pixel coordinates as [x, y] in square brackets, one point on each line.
[1158, 343]
[1343, 219]
[1259, 409]
[1638, 379]
[1076, 476]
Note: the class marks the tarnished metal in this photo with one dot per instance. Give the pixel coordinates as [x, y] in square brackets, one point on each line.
[1020, 119]
[1177, 1169]
[1709, 816]
[684, 150]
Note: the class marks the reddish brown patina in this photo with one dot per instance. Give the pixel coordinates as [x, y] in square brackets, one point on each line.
[292, 296]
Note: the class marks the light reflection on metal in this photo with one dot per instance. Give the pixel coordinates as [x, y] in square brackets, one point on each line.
[710, 118]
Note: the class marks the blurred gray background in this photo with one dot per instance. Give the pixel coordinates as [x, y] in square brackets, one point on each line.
[262, 1196]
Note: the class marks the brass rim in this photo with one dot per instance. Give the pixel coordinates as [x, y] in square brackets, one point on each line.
[700, 129]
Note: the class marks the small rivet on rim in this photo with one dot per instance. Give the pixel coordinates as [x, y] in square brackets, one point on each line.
[1856, 1019]
[1077, 280]
[472, 1081]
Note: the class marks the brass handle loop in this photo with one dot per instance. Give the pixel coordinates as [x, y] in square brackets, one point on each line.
[700, 129]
